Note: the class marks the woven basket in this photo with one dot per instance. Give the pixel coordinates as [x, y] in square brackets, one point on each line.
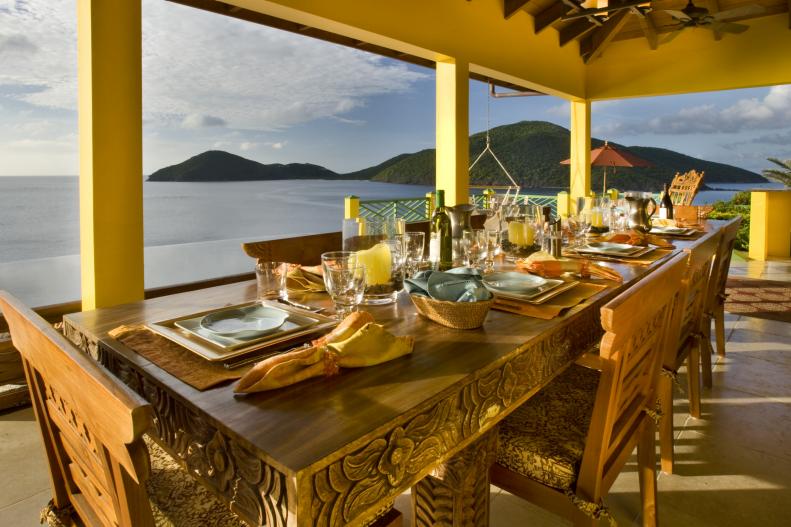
[457, 315]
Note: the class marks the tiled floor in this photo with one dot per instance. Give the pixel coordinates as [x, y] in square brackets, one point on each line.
[733, 465]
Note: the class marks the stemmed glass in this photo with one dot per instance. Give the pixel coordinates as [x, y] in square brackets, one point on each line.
[474, 247]
[492, 237]
[414, 248]
[344, 279]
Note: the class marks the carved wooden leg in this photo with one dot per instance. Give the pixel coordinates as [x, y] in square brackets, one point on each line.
[646, 464]
[666, 424]
[457, 492]
[719, 328]
[706, 352]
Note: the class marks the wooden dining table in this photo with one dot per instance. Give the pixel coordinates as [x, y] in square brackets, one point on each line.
[339, 450]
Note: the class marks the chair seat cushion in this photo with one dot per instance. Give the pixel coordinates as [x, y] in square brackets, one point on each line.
[544, 439]
[177, 499]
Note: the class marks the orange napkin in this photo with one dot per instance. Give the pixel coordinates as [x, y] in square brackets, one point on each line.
[305, 279]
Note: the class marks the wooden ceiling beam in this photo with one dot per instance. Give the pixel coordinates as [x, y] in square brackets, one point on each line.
[649, 29]
[574, 30]
[510, 7]
[549, 16]
[595, 44]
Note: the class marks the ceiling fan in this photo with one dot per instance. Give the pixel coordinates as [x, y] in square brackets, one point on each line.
[694, 16]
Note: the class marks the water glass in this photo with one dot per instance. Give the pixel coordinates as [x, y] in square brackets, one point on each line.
[344, 279]
[492, 247]
[271, 279]
[474, 247]
[414, 247]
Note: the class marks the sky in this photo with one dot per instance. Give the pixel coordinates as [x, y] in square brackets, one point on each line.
[212, 82]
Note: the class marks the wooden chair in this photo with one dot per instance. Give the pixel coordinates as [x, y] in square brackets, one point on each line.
[716, 292]
[685, 187]
[92, 428]
[564, 448]
[687, 339]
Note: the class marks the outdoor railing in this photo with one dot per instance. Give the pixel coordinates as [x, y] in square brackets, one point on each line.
[420, 209]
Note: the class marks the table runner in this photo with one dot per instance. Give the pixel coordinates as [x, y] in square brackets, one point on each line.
[552, 307]
[174, 359]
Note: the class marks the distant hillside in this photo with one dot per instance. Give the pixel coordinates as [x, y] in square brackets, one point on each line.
[532, 151]
[216, 165]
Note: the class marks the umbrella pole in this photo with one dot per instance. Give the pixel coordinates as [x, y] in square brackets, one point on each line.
[604, 182]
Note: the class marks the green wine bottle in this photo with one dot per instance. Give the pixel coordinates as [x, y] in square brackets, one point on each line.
[441, 229]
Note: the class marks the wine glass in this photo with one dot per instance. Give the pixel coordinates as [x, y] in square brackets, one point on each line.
[492, 247]
[414, 248]
[344, 279]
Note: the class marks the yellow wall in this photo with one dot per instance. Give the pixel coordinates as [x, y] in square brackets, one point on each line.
[437, 29]
[770, 224]
[111, 152]
[695, 62]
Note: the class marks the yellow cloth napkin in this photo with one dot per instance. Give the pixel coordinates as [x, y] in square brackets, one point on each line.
[305, 280]
[358, 342]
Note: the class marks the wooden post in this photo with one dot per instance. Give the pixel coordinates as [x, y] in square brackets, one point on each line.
[111, 151]
[351, 207]
[453, 156]
[580, 178]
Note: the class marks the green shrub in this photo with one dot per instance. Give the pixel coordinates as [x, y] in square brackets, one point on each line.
[738, 206]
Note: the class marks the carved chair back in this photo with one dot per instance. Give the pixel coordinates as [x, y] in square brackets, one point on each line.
[722, 262]
[694, 286]
[91, 425]
[636, 324]
[685, 187]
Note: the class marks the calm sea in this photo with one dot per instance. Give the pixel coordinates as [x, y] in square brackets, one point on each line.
[192, 230]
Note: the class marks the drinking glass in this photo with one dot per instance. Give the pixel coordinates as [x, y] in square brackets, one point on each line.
[344, 279]
[414, 248]
[474, 247]
[492, 247]
[271, 280]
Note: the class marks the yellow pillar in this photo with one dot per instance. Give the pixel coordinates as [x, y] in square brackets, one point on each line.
[580, 180]
[453, 131]
[351, 206]
[564, 203]
[111, 151]
[770, 224]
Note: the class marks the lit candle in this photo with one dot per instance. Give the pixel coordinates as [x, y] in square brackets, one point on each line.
[516, 233]
[378, 264]
[530, 234]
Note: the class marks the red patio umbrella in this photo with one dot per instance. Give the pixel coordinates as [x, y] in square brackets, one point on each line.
[610, 156]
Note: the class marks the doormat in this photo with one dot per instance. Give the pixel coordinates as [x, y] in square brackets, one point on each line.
[759, 298]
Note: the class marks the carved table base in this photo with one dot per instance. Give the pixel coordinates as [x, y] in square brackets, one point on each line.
[456, 493]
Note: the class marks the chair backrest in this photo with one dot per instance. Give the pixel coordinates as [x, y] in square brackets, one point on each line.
[684, 187]
[91, 424]
[694, 287]
[722, 262]
[636, 324]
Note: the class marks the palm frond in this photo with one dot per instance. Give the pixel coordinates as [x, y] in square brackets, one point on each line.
[781, 176]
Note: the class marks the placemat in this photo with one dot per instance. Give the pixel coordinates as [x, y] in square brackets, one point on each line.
[551, 308]
[648, 259]
[174, 359]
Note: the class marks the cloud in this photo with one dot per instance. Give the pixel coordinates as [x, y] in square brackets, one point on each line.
[277, 146]
[219, 145]
[195, 120]
[17, 44]
[559, 110]
[247, 146]
[771, 112]
[261, 78]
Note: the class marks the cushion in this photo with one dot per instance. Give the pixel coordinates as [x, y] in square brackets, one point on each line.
[544, 439]
[176, 498]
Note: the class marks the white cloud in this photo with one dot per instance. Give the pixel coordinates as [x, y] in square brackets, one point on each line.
[772, 112]
[219, 145]
[277, 146]
[559, 110]
[195, 120]
[247, 146]
[260, 78]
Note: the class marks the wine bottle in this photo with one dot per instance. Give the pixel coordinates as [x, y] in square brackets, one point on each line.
[666, 205]
[441, 230]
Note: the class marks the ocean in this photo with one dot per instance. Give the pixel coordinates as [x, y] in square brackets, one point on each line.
[193, 231]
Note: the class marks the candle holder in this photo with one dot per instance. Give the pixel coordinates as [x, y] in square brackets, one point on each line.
[379, 249]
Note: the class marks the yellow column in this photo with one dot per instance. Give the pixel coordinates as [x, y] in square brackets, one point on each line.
[111, 151]
[580, 181]
[770, 224]
[453, 131]
[351, 206]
